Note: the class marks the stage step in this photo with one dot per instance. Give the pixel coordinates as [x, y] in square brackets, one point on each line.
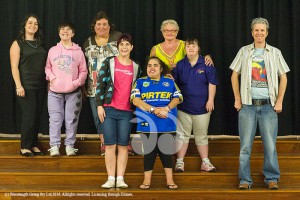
[216, 146]
[184, 180]
[96, 163]
[81, 177]
[94, 193]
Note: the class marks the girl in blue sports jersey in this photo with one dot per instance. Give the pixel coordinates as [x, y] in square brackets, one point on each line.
[156, 97]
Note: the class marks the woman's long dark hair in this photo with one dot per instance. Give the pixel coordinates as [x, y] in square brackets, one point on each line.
[38, 36]
[164, 67]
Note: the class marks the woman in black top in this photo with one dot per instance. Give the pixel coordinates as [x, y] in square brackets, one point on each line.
[27, 58]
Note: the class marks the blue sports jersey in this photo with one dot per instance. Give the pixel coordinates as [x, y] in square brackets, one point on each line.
[158, 94]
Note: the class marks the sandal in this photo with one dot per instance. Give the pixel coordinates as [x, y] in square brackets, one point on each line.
[172, 187]
[37, 152]
[26, 153]
[145, 187]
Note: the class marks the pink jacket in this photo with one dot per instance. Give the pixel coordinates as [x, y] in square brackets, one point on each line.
[66, 68]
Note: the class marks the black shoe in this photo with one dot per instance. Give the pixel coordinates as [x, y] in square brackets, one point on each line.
[27, 154]
[37, 153]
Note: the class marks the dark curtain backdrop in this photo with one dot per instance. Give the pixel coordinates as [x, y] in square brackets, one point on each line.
[222, 26]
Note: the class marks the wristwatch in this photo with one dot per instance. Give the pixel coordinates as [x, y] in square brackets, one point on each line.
[152, 109]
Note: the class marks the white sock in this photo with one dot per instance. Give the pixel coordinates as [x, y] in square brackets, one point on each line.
[120, 177]
[205, 160]
[111, 178]
[179, 160]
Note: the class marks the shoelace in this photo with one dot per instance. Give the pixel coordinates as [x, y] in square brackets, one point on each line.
[179, 165]
[209, 164]
[52, 149]
[73, 149]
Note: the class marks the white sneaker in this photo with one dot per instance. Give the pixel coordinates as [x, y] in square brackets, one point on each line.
[121, 184]
[70, 151]
[179, 167]
[109, 184]
[54, 151]
[207, 166]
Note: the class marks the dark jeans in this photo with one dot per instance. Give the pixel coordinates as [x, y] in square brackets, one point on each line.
[117, 126]
[31, 106]
[154, 144]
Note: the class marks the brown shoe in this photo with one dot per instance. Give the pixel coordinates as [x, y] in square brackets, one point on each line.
[244, 186]
[273, 185]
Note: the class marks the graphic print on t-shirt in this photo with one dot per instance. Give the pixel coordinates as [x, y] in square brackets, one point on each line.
[259, 74]
[64, 63]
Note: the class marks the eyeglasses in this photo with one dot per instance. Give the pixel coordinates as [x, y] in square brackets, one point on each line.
[169, 31]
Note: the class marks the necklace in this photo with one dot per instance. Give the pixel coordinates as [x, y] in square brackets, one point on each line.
[103, 37]
[34, 46]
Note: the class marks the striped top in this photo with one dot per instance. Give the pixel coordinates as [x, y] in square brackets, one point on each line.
[275, 66]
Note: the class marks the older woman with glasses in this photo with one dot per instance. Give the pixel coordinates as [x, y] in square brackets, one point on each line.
[172, 49]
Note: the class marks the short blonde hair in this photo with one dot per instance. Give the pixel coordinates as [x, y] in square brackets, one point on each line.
[169, 21]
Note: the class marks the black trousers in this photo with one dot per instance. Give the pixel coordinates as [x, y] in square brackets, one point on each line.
[162, 144]
[31, 106]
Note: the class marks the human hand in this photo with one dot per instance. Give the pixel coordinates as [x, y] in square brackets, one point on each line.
[208, 60]
[278, 107]
[170, 76]
[161, 112]
[20, 91]
[101, 113]
[209, 106]
[238, 105]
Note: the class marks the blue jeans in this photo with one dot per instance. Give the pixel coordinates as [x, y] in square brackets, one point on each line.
[117, 126]
[266, 118]
[98, 124]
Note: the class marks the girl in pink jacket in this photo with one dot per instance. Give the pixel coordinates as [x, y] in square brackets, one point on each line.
[66, 71]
